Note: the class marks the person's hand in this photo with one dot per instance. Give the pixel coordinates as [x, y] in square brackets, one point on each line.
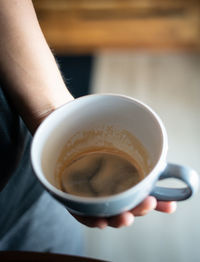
[127, 218]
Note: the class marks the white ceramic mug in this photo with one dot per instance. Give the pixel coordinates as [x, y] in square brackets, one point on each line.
[118, 118]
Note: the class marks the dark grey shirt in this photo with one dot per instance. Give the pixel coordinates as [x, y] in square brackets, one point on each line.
[30, 218]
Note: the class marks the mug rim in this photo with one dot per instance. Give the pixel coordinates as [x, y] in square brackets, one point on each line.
[156, 170]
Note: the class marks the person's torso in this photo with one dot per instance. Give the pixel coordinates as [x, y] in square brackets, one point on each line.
[22, 189]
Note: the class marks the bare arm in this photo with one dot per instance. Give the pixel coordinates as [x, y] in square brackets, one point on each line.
[28, 68]
[36, 87]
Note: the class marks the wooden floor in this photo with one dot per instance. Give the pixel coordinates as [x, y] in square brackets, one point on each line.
[170, 84]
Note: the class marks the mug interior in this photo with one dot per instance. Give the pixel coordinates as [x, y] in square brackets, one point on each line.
[118, 118]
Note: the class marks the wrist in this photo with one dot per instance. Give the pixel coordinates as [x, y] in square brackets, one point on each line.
[39, 116]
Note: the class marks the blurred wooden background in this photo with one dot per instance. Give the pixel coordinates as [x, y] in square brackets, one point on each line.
[86, 26]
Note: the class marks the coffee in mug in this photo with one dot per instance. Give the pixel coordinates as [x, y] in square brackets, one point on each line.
[101, 162]
[100, 172]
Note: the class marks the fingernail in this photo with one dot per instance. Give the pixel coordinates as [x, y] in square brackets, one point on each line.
[154, 203]
[129, 219]
[173, 207]
[102, 225]
[144, 212]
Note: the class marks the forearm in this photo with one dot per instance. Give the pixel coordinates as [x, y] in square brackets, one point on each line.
[32, 78]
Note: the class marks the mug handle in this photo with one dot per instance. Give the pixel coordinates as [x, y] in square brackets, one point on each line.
[186, 174]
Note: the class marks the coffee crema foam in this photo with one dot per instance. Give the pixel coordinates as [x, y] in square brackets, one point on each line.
[100, 173]
[92, 149]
